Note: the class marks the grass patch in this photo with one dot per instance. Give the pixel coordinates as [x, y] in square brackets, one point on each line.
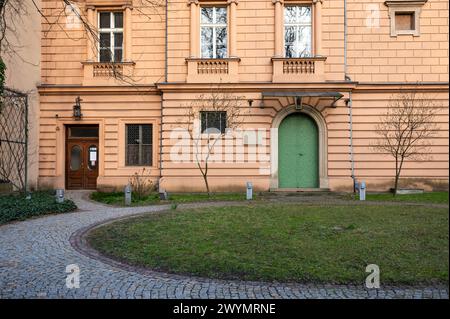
[117, 198]
[430, 198]
[17, 207]
[287, 242]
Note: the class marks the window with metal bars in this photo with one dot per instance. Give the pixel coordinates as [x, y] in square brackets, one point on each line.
[213, 121]
[139, 146]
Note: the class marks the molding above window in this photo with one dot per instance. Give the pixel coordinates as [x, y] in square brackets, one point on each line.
[413, 7]
[108, 3]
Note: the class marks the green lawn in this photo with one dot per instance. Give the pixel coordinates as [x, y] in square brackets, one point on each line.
[17, 207]
[431, 198]
[287, 242]
[117, 198]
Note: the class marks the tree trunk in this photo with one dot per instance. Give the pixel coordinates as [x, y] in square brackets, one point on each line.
[205, 178]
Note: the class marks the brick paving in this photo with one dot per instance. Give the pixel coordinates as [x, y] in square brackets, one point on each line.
[34, 255]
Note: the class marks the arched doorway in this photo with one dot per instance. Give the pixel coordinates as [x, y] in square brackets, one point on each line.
[322, 143]
[298, 152]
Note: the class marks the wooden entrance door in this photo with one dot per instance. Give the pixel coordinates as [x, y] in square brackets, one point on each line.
[82, 156]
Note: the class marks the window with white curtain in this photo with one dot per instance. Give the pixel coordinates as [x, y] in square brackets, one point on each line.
[213, 32]
[297, 31]
[111, 36]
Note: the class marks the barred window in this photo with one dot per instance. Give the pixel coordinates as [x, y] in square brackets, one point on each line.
[111, 36]
[213, 122]
[139, 148]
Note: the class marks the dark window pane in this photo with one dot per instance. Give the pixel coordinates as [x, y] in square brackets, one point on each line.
[146, 134]
[146, 155]
[118, 39]
[105, 55]
[83, 131]
[105, 20]
[105, 40]
[132, 134]
[213, 121]
[139, 144]
[132, 155]
[118, 20]
[118, 55]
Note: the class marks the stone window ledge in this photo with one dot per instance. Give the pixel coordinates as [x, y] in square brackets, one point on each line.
[202, 70]
[106, 73]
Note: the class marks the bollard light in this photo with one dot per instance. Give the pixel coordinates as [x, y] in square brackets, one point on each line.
[362, 191]
[60, 195]
[249, 191]
[127, 192]
[163, 195]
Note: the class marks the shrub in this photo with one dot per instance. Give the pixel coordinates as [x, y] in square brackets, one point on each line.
[16, 207]
[141, 184]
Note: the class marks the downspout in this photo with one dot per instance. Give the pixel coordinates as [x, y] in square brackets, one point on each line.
[349, 101]
[162, 97]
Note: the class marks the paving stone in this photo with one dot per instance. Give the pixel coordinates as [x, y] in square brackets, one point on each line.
[34, 255]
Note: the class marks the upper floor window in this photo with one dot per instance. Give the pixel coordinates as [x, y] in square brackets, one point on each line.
[111, 36]
[213, 32]
[297, 31]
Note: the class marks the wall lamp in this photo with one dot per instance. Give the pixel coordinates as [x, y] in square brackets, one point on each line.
[77, 109]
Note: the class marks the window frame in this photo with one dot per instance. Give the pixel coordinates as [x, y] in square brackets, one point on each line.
[297, 24]
[221, 119]
[214, 26]
[112, 30]
[140, 156]
[406, 6]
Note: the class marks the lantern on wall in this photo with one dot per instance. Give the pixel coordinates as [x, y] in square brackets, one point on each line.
[77, 109]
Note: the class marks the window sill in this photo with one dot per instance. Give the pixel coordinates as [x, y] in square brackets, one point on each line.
[298, 69]
[101, 73]
[213, 70]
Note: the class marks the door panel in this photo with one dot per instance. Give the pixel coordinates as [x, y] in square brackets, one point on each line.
[82, 164]
[298, 152]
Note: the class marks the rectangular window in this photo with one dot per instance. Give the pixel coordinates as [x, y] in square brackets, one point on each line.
[213, 122]
[213, 32]
[139, 145]
[404, 21]
[297, 31]
[110, 36]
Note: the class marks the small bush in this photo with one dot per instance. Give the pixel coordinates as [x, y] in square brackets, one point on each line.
[16, 207]
[141, 185]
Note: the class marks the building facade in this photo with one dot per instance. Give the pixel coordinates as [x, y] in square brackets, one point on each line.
[312, 78]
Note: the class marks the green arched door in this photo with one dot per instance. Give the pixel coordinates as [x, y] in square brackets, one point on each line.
[298, 152]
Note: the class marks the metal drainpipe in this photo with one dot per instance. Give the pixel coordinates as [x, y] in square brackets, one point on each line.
[349, 101]
[162, 98]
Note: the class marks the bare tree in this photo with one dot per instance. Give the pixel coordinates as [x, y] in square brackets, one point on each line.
[406, 129]
[224, 110]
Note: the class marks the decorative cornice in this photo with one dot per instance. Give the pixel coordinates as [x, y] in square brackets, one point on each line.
[276, 1]
[190, 2]
[233, 1]
[402, 3]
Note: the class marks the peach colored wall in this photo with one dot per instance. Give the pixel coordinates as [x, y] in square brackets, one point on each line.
[64, 48]
[111, 112]
[373, 56]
